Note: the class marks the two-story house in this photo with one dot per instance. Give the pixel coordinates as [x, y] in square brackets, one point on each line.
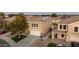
[67, 29]
[39, 25]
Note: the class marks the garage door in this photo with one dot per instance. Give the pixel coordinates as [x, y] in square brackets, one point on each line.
[36, 33]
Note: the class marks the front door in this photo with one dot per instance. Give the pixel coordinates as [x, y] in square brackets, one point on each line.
[55, 35]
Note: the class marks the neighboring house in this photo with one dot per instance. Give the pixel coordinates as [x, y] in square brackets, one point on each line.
[9, 19]
[6, 15]
[56, 19]
[67, 29]
[39, 25]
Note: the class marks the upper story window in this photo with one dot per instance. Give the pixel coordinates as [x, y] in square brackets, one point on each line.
[34, 25]
[60, 26]
[64, 26]
[75, 29]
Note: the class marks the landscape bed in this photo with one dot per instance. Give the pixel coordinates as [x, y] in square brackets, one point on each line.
[51, 45]
[17, 39]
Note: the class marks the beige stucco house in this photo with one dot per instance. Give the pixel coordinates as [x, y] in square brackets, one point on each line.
[67, 29]
[39, 25]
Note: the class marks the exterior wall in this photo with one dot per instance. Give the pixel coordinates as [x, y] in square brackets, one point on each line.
[42, 28]
[46, 26]
[35, 30]
[60, 32]
[71, 27]
[73, 36]
[63, 38]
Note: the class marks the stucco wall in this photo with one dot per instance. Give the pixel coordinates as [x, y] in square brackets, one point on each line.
[73, 36]
[45, 26]
[42, 28]
[59, 35]
[35, 30]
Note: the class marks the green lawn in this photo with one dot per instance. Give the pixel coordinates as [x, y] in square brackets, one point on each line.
[51, 45]
[16, 39]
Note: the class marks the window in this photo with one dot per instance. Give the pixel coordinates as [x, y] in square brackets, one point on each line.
[64, 26]
[62, 35]
[34, 25]
[75, 29]
[55, 35]
[60, 26]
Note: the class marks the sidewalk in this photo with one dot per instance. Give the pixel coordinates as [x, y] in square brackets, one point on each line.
[10, 41]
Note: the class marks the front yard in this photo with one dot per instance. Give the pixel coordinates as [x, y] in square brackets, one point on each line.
[17, 39]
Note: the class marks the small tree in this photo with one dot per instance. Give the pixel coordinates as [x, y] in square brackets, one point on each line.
[54, 15]
[18, 25]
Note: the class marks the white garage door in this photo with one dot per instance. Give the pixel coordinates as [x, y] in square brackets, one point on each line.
[36, 33]
[74, 38]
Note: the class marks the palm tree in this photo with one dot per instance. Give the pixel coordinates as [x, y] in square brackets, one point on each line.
[18, 25]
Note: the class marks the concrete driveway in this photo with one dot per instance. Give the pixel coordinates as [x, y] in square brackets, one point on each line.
[26, 41]
[3, 43]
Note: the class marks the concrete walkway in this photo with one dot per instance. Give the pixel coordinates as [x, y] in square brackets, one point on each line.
[7, 39]
[23, 43]
[47, 36]
[39, 43]
[26, 41]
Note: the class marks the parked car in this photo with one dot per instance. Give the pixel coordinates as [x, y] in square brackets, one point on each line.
[2, 32]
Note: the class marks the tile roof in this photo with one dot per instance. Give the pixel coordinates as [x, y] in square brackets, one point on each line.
[69, 20]
[37, 18]
[10, 19]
